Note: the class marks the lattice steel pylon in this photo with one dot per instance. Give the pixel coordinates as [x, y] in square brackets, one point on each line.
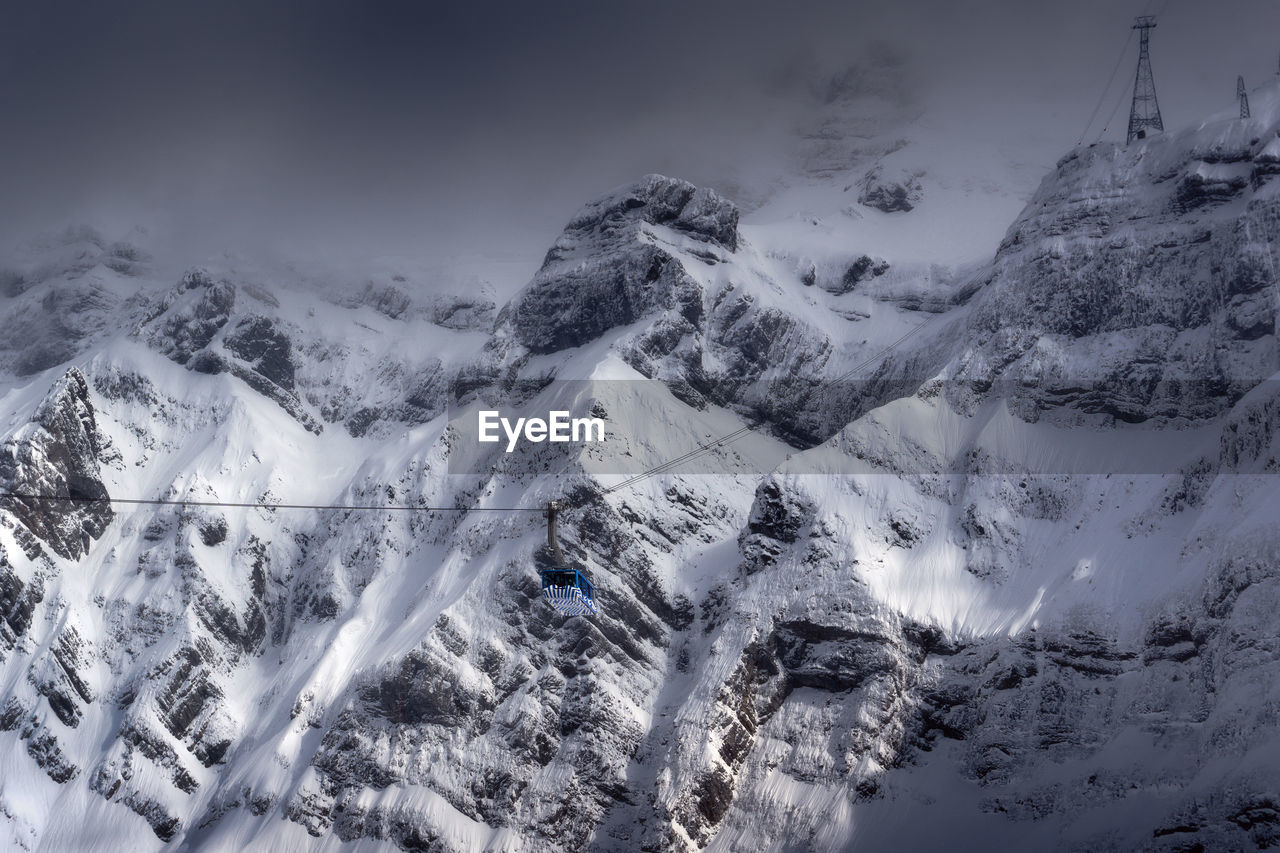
[1242, 96]
[1145, 112]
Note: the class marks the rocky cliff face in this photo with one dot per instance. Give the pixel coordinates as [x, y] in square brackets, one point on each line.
[603, 273]
[57, 456]
[1140, 282]
[660, 265]
[944, 603]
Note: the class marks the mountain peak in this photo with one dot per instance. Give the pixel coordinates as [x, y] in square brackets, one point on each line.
[699, 212]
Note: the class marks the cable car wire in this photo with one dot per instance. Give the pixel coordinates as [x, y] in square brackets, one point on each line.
[263, 505]
[1106, 89]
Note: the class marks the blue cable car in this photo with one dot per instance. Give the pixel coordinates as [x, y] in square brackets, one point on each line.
[565, 588]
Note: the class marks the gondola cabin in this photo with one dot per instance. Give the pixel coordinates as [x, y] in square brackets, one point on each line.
[569, 591]
[566, 589]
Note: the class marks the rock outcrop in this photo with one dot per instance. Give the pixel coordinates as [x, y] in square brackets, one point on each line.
[663, 260]
[1140, 283]
[603, 273]
[890, 194]
[57, 456]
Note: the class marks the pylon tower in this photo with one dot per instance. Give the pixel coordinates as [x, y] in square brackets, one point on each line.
[1145, 112]
[1242, 96]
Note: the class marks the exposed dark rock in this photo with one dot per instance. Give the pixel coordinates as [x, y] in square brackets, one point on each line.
[196, 310]
[891, 195]
[214, 531]
[598, 275]
[1201, 187]
[42, 744]
[570, 305]
[358, 424]
[59, 679]
[155, 748]
[268, 351]
[56, 455]
[833, 658]
[863, 268]
[780, 513]
[43, 748]
[190, 706]
[423, 690]
[125, 386]
[184, 326]
[709, 346]
[278, 395]
[18, 601]
[660, 200]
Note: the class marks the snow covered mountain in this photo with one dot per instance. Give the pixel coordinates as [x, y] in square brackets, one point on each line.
[998, 566]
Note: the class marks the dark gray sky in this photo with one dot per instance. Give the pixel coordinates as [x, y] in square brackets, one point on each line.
[421, 127]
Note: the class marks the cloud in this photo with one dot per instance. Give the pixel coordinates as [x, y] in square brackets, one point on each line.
[444, 127]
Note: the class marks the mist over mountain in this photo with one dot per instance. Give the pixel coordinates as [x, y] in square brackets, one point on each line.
[331, 128]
